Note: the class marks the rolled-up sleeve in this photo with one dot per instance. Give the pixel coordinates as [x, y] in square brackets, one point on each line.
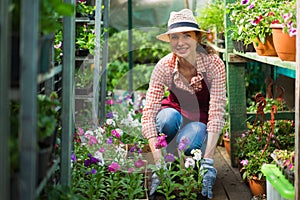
[154, 97]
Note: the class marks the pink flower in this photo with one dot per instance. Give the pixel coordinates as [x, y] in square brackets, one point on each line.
[115, 133]
[244, 162]
[139, 163]
[92, 140]
[113, 167]
[251, 6]
[130, 170]
[161, 141]
[80, 131]
[110, 102]
[102, 149]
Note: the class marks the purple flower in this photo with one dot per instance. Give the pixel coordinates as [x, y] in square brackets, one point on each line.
[132, 149]
[139, 151]
[93, 171]
[113, 167]
[183, 143]
[169, 158]
[109, 140]
[91, 160]
[87, 163]
[94, 160]
[292, 32]
[244, 162]
[244, 2]
[73, 157]
[110, 115]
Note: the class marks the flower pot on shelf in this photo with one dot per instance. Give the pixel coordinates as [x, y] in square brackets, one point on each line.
[257, 186]
[266, 49]
[285, 45]
[227, 144]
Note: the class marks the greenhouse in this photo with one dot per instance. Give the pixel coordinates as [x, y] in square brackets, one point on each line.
[149, 99]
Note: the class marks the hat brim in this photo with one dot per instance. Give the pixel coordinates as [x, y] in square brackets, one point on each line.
[165, 36]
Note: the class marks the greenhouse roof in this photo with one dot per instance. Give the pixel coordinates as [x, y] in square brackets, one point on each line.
[145, 13]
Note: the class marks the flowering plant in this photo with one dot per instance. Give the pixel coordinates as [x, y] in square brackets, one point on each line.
[286, 16]
[181, 176]
[101, 168]
[251, 19]
[127, 115]
[254, 147]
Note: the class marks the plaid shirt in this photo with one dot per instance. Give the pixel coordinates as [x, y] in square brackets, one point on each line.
[161, 77]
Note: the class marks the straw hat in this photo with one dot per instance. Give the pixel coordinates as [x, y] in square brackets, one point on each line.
[181, 21]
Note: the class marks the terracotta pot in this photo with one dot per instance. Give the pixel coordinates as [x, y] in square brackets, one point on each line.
[257, 187]
[227, 144]
[284, 44]
[266, 49]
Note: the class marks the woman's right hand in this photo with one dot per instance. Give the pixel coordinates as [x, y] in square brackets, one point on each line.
[157, 153]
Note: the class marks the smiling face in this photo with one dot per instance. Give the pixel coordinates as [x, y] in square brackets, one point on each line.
[184, 44]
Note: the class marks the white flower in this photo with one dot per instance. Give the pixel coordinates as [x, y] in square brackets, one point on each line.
[89, 133]
[197, 154]
[110, 122]
[189, 162]
[99, 156]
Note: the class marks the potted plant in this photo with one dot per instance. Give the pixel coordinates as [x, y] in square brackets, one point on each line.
[254, 148]
[210, 19]
[285, 161]
[83, 10]
[250, 23]
[252, 171]
[226, 137]
[284, 29]
[85, 40]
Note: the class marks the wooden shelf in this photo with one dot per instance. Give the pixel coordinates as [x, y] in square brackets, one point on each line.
[271, 60]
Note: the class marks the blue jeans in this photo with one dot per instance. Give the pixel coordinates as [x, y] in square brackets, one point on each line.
[170, 122]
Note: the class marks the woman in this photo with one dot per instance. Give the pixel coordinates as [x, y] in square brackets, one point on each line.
[195, 106]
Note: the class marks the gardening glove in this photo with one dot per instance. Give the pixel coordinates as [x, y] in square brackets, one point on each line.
[209, 177]
[155, 181]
